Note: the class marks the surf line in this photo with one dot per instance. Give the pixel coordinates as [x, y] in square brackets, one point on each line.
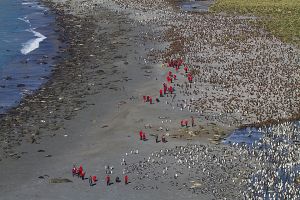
[32, 44]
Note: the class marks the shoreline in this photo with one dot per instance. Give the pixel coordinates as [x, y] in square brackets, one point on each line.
[14, 119]
[23, 73]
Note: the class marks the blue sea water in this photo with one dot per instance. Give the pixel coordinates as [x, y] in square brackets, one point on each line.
[27, 44]
[244, 135]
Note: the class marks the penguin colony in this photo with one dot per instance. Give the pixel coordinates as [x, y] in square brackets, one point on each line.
[267, 169]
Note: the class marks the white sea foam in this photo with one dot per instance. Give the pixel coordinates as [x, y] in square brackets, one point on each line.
[35, 5]
[27, 3]
[32, 44]
[24, 19]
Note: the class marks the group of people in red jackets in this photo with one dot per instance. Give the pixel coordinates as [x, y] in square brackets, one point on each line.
[174, 63]
[93, 179]
[143, 136]
[78, 172]
[109, 182]
[185, 122]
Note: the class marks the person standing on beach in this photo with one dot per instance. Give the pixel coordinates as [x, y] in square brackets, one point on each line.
[163, 139]
[74, 170]
[165, 86]
[82, 175]
[126, 179]
[186, 69]
[190, 78]
[107, 180]
[80, 171]
[92, 180]
[171, 89]
[141, 135]
[193, 121]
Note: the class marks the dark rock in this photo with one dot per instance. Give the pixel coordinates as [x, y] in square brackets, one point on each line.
[100, 71]
[21, 85]
[8, 78]
[44, 77]
[60, 180]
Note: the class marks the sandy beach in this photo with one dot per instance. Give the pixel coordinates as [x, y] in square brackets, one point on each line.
[92, 109]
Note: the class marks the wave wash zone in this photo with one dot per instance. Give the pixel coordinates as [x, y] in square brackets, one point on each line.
[28, 44]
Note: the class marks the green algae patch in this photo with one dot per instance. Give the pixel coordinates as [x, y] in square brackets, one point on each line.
[280, 17]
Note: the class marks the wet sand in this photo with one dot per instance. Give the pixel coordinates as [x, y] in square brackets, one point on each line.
[92, 109]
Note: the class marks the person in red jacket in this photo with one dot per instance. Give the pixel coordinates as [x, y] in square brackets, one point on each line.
[186, 69]
[190, 78]
[92, 180]
[80, 170]
[180, 61]
[161, 93]
[126, 179]
[168, 79]
[107, 180]
[165, 89]
[171, 89]
[82, 175]
[141, 135]
[182, 123]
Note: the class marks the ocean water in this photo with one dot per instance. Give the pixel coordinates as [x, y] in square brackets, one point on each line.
[244, 136]
[28, 43]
